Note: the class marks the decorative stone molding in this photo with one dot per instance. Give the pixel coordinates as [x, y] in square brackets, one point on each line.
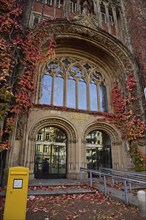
[60, 123]
[73, 141]
[65, 29]
[84, 141]
[88, 21]
[111, 131]
[117, 143]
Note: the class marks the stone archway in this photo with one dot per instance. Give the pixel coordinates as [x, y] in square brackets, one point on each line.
[115, 139]
[60, 123]
[113, 133]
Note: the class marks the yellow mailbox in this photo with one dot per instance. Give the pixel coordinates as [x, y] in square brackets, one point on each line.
[16, 195]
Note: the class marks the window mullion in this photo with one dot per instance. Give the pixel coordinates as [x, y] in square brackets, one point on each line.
[77, 94]
[98, 96]
[88, 95]
[52, 92]
[65, 89]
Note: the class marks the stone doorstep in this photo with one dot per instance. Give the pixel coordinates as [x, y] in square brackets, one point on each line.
[60, 192]
[55, 192]
[53, 184]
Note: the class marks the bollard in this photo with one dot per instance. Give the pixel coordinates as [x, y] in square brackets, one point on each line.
[142, 202]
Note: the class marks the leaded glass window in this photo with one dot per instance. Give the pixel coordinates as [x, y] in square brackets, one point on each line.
[73, 83]
[71, 93]
[58, 90]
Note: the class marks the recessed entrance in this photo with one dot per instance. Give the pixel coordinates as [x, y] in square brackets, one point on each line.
[50, 153]
[98, 150]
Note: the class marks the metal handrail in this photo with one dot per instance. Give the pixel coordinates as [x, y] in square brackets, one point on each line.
[123, 172]
[99, 173]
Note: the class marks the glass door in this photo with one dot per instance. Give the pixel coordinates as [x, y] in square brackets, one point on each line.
[98, 150]
[50, 154]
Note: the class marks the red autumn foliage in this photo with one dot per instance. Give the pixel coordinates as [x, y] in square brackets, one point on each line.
[18, 58]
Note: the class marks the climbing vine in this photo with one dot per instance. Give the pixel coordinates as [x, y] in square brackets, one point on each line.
[18, 59]
[127, 117]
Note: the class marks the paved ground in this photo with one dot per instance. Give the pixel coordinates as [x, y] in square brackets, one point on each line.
[76, 202]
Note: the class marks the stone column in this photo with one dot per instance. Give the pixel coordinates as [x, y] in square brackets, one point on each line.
[78, 7]
[107, 17]
[72, 166]
[98, 13]
[116, 155]
[115, 21]
[123, 32]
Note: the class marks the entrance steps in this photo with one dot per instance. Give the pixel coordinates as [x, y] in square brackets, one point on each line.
[55, 187]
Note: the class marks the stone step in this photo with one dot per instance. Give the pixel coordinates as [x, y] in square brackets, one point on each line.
[60, 192]
[54, 192]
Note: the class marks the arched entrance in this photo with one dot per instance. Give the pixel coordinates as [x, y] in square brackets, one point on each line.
[50, 153]
[98, 150]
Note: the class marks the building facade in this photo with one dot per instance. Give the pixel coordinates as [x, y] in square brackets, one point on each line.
[63, 130]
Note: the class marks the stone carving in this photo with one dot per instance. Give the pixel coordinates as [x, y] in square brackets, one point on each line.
[88, 21]
[21, 122]
[65, 29]
[88, 7]
[79, 117]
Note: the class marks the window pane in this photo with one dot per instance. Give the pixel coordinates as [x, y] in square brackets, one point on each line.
[103, 99]
[93, 98]
[71, 101]
[82, 99]
[46, 90]
[58, 91]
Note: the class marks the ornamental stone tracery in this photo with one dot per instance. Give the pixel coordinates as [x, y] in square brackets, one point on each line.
[97, 37]
[74, 67]
[85, 79]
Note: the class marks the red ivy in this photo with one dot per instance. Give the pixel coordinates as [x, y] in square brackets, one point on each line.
[18, 59]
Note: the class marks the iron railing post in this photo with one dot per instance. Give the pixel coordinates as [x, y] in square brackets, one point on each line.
[91, 179]
[81, 178]
[125, 190]
[104, 177]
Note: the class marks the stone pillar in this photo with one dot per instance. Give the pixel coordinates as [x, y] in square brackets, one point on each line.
[98, 13]
[116, 155]
[107, 17]
[73, 160]
[115, 21]
[123, 29]
[78, 7]
[66, 8]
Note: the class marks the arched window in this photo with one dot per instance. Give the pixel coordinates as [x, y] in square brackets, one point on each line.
[75, 84]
